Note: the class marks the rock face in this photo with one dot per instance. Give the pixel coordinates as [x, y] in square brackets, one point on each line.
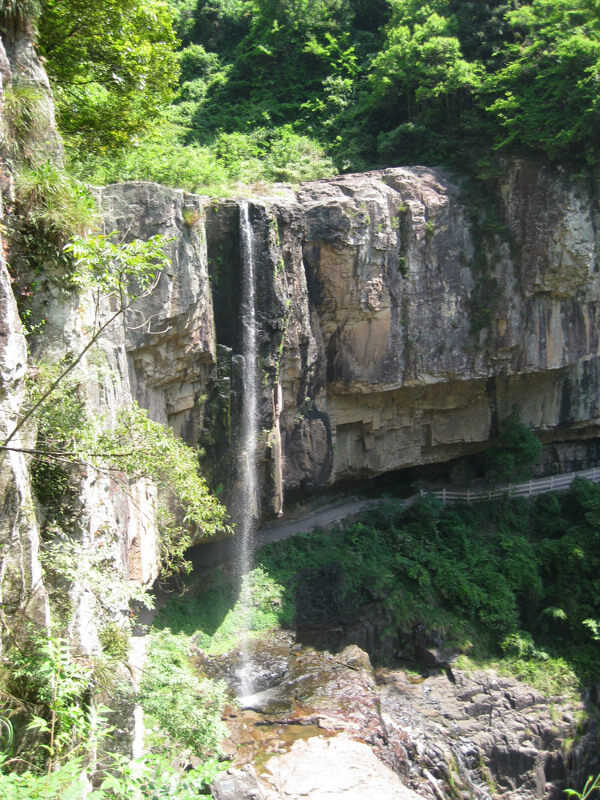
[111, 522]
[484, 734]
[337, 768]
[324, 769]
[446, 734]
[169, 337]
[22, 593]
[399, 321]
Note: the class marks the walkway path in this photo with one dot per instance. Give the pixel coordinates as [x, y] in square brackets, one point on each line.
[206, 556]
[555, 483]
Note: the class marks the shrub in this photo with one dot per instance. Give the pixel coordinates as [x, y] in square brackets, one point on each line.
[23, 121]
[49, 199]
[293, 158]
[196, 62]
[150, 776]
[277, 154]
[50, 208]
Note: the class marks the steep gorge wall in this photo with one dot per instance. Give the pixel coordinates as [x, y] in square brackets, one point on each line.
[22, 591]
[397, 324]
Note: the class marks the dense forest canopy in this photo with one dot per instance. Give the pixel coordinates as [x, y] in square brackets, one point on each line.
[205, 92]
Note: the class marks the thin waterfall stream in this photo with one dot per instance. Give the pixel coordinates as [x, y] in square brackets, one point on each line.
[248, 500]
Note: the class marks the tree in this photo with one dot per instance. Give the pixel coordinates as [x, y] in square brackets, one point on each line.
[420, 82]
[546, 96]
[112, 64]
[219, 25]
[515, 452]
[422, 62]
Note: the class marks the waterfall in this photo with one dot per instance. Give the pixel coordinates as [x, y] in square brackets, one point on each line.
[248, 500]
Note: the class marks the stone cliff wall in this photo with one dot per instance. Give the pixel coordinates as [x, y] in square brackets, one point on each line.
[400, 320]
[22, 592]
[120, 518]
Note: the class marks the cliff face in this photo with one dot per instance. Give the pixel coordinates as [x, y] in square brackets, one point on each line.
[21, 587]
[399, 321]
[108, 515]
[22, 593]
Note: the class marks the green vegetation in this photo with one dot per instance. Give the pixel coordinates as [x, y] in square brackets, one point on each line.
[55, 205]
[215, 616]
[264, 155]
[203, 94]
[509, 582]
[50, 724]
[151, 776]
[23, 122]
[516, 451]
[112, 65]
[183, 710]
[290, 89]
[18, 13]
[592, 785]
[50, 207]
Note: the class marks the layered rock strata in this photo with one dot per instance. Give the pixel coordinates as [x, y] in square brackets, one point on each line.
[400, 320]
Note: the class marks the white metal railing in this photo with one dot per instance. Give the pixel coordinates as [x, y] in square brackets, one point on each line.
[554, 483]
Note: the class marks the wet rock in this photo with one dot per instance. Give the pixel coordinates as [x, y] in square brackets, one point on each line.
[263, 665]
[471, 736]
[269, 701]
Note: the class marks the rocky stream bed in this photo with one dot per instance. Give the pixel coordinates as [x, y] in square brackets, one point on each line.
[326, 725]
